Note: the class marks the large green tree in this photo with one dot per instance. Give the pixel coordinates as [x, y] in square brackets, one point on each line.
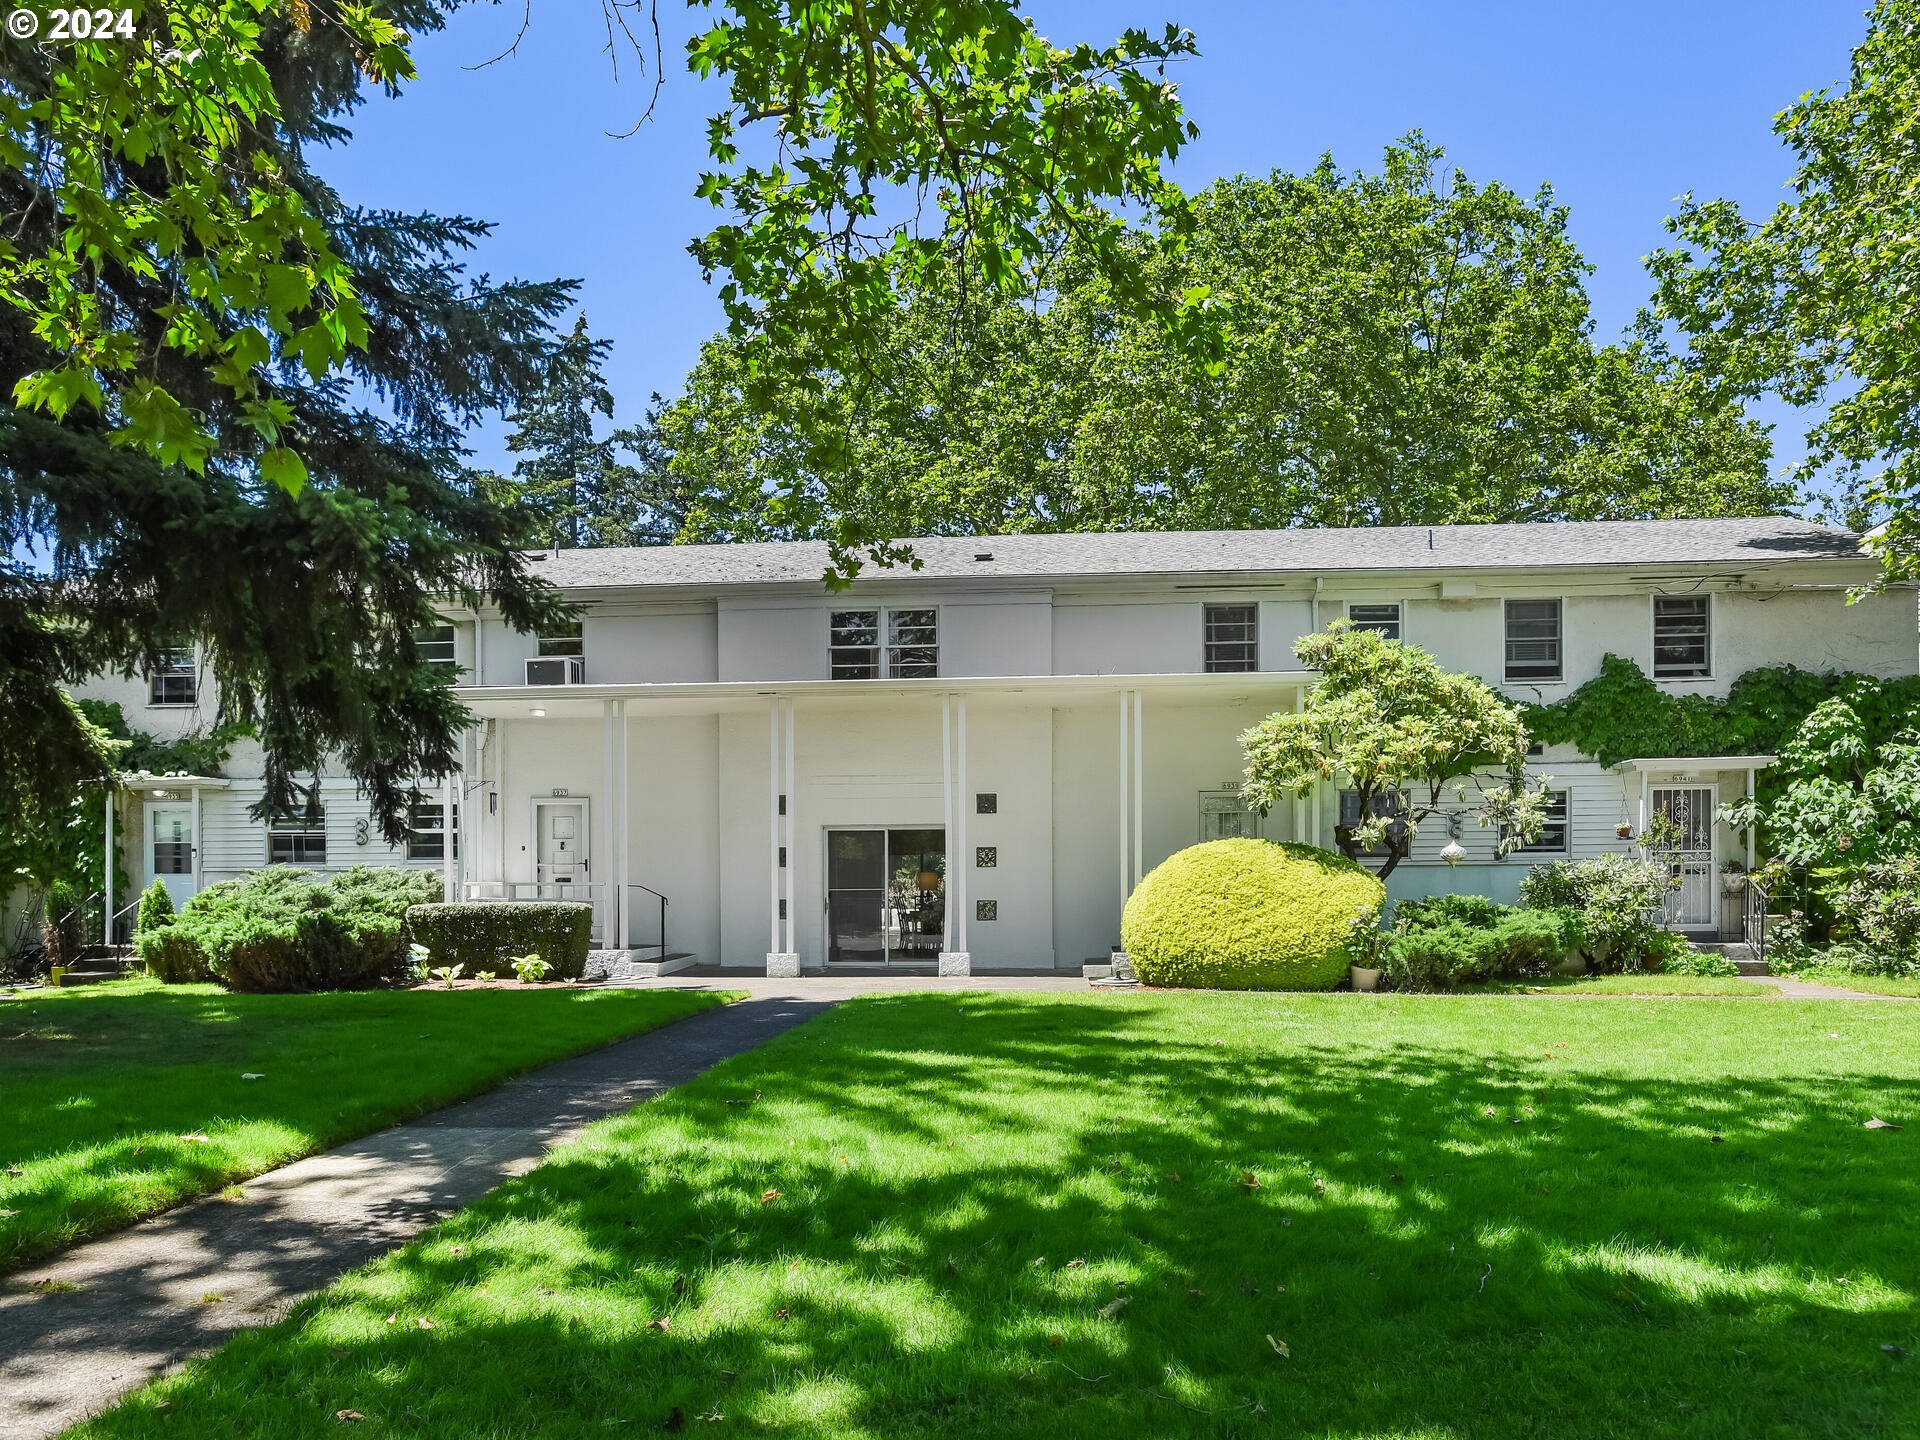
[119, 541]
[1404, 347]
[190, 321]
[864, 148]
[571, 485]
[1815, 302]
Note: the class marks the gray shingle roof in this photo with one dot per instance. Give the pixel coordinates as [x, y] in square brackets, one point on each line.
[1762, 541]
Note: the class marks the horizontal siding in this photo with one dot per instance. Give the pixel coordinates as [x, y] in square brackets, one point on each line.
[232, 841]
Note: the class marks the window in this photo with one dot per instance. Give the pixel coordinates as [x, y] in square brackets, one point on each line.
[174, 679]
[298, 839]
[427, 839]
[1392, 803]
[558, 660]
[1552, 839]
[1384, 618]
[1232, 638]
[911, 649]
[1681, 631]
[1533, 640]
[435, 645]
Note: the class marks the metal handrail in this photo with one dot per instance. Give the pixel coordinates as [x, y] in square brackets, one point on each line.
[626, 920]
[1754, 918]
[113, 921]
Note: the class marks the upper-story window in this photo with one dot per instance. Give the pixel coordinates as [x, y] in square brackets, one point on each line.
[1384, 618]
[884, 644]
[1232, 638]
[174, 679]
[559, 660]
[299, 838]
[1682, 626]
[1534, 640]
[434, 645]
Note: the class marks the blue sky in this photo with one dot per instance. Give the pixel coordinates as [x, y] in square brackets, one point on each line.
[1621, 106]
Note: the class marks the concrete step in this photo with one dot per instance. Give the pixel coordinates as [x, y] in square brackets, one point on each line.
[648, 964]
[1737, 951]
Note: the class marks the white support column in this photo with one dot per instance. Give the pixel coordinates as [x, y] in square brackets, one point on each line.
[107, 844]
[1139, 786]
[1300, 801]
[792, 946]
[623, 814]
[605, 873]
[1751, 829]
[1126, 806]
[448, 888]
[955, 959]
[193, 854]
[1646, 786]
[780, 962]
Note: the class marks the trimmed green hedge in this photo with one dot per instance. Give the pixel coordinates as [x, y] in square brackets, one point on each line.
[281, 929]
[1248, 915]
[483, 936]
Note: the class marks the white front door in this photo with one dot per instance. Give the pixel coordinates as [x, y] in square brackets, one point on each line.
[171, 847]
[560, 849]
[1694, 905]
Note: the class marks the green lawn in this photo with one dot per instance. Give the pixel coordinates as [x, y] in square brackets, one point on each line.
[119, 1100]
[1102, 1216]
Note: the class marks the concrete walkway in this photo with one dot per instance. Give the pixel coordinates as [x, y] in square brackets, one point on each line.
[144, 1301]
[1815, 990]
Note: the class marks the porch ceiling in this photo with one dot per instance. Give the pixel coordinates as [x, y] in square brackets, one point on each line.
[581, 702]
[1661, 765]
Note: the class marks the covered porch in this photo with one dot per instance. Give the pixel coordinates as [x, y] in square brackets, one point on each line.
[1688, 793]
[937, 825]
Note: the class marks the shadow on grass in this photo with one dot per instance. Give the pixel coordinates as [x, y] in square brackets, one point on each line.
[1074, 1217]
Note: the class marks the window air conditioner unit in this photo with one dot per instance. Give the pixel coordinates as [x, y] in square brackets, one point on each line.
[557, 670]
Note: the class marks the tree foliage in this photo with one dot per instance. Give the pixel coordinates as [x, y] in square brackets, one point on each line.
[1815, 301]
[865, 148]
[1845, 800]
[1385, 721]
[1403, 347]
[121, 539]
[572, 487]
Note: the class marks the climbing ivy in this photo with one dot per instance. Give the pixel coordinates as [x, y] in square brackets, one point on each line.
[1621, 714]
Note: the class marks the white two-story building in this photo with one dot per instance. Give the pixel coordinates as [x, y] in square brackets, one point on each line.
[970, 764]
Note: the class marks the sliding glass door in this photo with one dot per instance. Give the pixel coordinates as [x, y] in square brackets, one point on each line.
[886, 896]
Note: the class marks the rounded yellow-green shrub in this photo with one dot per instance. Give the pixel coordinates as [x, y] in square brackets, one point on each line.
[1247, 915]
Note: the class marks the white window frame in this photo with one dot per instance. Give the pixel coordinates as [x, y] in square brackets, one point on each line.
[424, 825]
[437, 645]
[1541, 845]
[177, 663]
[887, 647]
[1653, 632]
[1208, 640]
[1559, 676]
[1402, 802]
[294, 829]
[1396, 630]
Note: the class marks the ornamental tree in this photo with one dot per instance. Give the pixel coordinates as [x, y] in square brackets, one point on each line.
[1844, 802]
[1388, 723]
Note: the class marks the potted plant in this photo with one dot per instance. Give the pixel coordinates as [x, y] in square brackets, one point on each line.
[1365, 944]
[1733, 878]
[1624, 829]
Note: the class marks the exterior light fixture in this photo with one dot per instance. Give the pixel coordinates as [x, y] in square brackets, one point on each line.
[538, 713]
[1453, 852]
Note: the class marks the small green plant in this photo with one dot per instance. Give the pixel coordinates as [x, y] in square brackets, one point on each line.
[530, 968]
[156, 909]
[417, 957]
[447, 974]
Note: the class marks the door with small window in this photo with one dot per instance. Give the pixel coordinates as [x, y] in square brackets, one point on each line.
[560, 849]
[171, 849]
